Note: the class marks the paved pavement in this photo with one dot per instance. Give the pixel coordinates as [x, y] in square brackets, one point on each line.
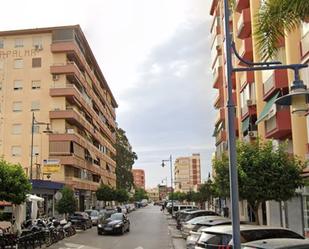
[150, 229]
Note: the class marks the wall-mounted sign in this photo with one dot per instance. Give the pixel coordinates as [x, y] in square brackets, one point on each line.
[51, 166]
[18, 53]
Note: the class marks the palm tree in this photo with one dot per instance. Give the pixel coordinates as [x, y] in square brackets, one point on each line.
[274, 18]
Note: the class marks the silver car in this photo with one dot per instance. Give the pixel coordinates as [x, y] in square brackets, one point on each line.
[94, 215]
[277, 244]
[222, 235]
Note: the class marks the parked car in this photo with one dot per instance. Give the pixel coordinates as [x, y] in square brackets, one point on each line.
[80, 220]
[181, 207]
[182, 212]
[222, 235]
[277, 244]
[192, 214]
[199, 221]
[94, 216]
[116, 223]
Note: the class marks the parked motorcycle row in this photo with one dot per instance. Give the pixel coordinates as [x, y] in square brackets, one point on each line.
[37, 232]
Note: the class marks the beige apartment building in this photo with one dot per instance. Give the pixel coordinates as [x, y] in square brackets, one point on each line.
[254, 94]
[51, 73]
[187, 173]
[153, 194]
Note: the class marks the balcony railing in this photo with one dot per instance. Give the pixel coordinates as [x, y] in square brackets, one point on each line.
[277, 80]
[279, 125]
[244, 24]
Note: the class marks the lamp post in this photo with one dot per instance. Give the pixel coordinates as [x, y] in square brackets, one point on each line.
[297, 98]
[48, 130]
[172, 190]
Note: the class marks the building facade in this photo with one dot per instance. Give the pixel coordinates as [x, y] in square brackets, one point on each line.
[139, 178]
[153, 194]
[52, 74]
[187, 173]
[254, 94]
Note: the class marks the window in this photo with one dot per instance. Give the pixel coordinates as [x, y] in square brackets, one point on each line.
[35, 105]
[18, 63]
[16, 129]
[17, 106]
[36, 84]
[18, 85]
[16, 151]
[1, 44]
[37, 41]
[36, 62]
[36, 129]
[19, 43]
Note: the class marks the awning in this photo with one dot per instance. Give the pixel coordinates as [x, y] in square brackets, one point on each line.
[34, 198]
[267, 108]
[46, 184]
[245, 124]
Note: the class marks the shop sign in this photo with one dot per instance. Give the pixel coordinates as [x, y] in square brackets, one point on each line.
[51, 166]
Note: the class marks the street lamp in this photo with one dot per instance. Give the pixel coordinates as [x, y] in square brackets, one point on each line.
[47, 130]
[172, 190]
[297, 98]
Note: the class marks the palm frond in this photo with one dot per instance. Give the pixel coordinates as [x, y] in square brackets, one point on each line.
[274, 17]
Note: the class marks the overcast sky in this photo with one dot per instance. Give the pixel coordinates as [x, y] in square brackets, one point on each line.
[155, 55]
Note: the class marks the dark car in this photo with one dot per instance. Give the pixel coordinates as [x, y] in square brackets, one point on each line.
[186, 216]
[80, 220]
[116, 223]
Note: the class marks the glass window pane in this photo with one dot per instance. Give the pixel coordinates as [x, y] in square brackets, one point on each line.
[19, 43]
[35, 105]
[18, 63]
[18, 85]
[17, 106]
[36, 84]
[36, 62]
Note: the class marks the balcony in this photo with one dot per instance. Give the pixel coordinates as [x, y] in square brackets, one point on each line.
[217, 77]
[221, 136]
[69, 69]
[305, 45]
[78, 183]
[242, 4]
[83, 142]
[219, 101]
[244, 24]
[213, 6]
[277, 81]
[245, 79]
[72, 49]
[220, 115]
[279, 125]
[71, 92]
[76, 118]
[245, 50]
[249, 109]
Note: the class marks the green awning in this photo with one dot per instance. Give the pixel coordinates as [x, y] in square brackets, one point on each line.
[267, 108]
[245, 124]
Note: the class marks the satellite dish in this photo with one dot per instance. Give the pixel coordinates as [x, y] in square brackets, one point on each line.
[58, 196]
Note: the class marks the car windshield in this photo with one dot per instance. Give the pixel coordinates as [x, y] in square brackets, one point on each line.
[117, 216]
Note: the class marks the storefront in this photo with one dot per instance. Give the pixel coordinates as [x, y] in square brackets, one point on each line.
[47, 190]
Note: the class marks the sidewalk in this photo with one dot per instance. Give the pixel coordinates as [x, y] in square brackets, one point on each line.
[177, 240]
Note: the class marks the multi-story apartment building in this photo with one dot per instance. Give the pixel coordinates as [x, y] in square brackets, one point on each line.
[187, 173]
[51, 73]
[153, 194]
[254, 95]
[139, 178]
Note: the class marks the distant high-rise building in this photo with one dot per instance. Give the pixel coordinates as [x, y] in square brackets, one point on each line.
[139, 178]
[187, 173]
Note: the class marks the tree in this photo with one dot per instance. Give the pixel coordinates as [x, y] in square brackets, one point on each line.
[140, 194]
[274, 18]
[205, 192]
[14, 184]
[121, 195]
[67, 204]
[265, 173]
[105, 193]
[124, 161]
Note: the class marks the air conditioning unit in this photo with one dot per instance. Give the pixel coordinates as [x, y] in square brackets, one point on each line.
[38, 47]
[70, 131]
[251, 102]
[252, 133]
[55, 77]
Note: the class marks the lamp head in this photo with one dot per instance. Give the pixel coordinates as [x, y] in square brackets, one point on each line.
[48, 130]
[162, 164]
[297, 98]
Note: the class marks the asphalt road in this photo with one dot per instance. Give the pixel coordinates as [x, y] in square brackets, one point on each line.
[148, 230]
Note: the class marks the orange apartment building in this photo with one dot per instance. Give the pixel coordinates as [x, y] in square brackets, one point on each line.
[254, 94]
[53, 74]
[139, 178]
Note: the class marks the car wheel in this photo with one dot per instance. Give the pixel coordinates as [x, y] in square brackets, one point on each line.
[84, 227]
[122, 230]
